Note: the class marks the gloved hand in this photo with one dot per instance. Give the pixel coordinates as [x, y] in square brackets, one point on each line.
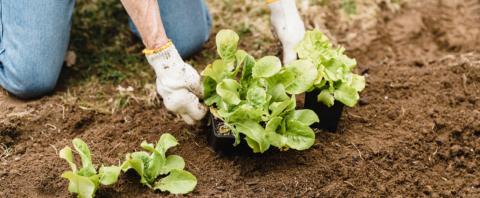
[287, 27]
[178, 83]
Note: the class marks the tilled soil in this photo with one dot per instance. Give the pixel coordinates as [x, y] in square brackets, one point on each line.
[414, 133]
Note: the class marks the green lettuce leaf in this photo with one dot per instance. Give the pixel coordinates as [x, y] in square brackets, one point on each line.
[348, 62]
[274, 105]
[299, 136]
[235, 133]
[256, 97]
[210, 91]
[326, 97]
[333, 69]
[347, 95]
[227, 41]
[227, 89]
[155, 162]
[87, 167]
[306, 116]
[246, 78]
[273, 133]
[178, 182]
[321, 74]
[253, 144]
[166, 141]
[339, 68]
[282, 77]
[84, 187]
[267, 104]
[358, 82]
[305, 74]
[66, 153]
[246, 112]
[267, 66]
[278, 93]
[109, 175]
[293, 104]
[240, 56]
[292, 131]
[315, 47]
[139, 161]
[173, 162]
[278, 108]
[254, 131]
[321, 85]
[216, 71]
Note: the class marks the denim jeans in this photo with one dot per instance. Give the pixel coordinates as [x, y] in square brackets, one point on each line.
[34, 38]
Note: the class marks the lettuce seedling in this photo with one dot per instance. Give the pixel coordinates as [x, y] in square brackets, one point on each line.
[260, 97]
[335, 79]
[85, 182]
[150, 166]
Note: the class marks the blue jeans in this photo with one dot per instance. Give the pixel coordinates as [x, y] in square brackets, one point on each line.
[34, 38]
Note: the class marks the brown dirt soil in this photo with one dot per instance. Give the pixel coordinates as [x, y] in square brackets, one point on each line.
[415, 132]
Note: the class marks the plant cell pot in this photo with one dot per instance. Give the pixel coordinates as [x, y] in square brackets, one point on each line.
[220, 142]
[329, 116]
[225, 142]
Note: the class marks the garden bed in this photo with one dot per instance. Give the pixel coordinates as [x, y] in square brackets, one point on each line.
[415, 131]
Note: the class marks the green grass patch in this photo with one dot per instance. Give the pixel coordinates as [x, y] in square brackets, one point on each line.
[350, 6]
[104, 45]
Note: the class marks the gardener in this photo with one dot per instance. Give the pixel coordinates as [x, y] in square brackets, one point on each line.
[34, 38]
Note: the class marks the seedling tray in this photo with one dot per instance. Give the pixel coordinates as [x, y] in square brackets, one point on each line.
[329, 116]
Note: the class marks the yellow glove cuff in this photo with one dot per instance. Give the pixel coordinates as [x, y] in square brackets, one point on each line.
[154, 51]
[271, 1]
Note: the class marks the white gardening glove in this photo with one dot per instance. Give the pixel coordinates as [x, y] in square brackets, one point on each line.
[287, 26]
[179, 84]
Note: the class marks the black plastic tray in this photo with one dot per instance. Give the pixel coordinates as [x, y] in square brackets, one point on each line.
[225, 142]
[220, 142]
[329, 116]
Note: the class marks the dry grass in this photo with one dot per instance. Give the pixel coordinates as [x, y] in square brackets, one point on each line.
[7, 151]
[21, 114]
[96, 97]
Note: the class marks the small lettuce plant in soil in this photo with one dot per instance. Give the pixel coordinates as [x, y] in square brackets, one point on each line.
[258, 105]
[150, 166]
[335, 79]
[85, 182]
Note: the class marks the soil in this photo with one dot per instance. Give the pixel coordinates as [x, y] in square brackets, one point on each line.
[221, 128]
[414, 133]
